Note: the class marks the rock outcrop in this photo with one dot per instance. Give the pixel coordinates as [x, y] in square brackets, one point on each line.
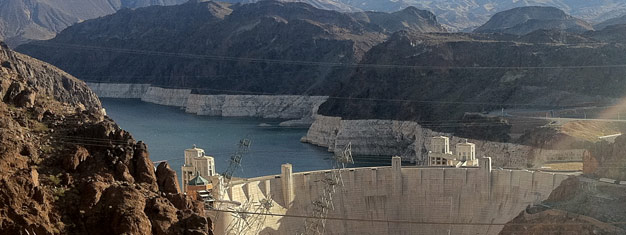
[167, 179]
[607, 160]
[119, 90]
[66, 168]
[578, 206]
[524, 20]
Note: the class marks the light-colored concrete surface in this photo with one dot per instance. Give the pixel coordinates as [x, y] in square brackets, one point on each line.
[418, 195]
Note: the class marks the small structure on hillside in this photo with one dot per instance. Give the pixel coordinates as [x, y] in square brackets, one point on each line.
[199, 188]
[197, 163]
[440, 154]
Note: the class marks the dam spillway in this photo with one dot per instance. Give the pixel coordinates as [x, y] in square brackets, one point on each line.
[392, 200]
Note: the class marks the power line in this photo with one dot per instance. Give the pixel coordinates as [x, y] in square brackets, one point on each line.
[579, 105]
[407, 221]
[307, 63]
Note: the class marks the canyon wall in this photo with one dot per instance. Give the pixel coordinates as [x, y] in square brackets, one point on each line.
[300, 108]
[115, 90]
[411, 141]
[391, 200]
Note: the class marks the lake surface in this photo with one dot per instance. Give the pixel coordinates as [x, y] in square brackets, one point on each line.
[168, 131]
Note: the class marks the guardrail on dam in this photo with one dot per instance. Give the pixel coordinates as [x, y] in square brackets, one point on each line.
[391, 200]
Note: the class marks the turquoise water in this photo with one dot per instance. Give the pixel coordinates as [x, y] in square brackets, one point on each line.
[168, 131]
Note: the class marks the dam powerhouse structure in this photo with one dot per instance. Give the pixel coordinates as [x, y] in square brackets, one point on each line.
[380, 200]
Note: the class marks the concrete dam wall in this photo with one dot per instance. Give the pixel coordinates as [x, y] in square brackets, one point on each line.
[261, 106]
[390, 200]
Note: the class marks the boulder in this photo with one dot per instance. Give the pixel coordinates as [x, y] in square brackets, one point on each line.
[167, 179]
[91, 193]
[162, 214]
[120, 211]
[77, 155]
[25, 98]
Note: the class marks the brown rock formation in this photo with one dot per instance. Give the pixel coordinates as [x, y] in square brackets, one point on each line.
[607, 159]
[120, 211]
[144, 169]
[67, 169]
[167, 179]
[72, 160]
[577, 206]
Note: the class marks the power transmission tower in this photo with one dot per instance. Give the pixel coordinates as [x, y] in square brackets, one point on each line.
[324, 204]
[245, 222]
[235, 161]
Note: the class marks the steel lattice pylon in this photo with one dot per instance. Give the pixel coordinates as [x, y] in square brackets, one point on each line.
[234, 164]
[235, 161]
[324, 204]
[248, 218]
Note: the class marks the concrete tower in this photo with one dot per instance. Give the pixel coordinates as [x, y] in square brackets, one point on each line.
[467, 152]
[196, 162]
[440, 144]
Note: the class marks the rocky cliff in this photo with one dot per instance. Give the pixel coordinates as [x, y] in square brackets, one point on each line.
[411, 141]
[439, 77]
[301, 108]
[25, 20]
[263, 106]
[118, 90]
[264, 47]
[65, 168]
[607, 159]
[578, 206]
[524, 20]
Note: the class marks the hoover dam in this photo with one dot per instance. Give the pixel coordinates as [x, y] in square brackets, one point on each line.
[369, 200]
[384, 200]
[407, 139]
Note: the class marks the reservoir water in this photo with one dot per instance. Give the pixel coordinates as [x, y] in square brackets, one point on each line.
[168, 131]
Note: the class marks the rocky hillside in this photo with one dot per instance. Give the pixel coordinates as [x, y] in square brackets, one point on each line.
[25, 20]
[609, 22]
[465, 15]
[442, 76]
[524, 20]
[606, 160]
[578, 206]
[65, 168]
[206, 45]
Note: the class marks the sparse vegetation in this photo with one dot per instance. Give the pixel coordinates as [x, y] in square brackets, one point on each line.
[40, 127]
[55, 179]
[58, 192]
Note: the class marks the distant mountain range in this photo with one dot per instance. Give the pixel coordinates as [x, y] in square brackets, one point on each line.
[609, 22]
[275, 34]
[466, 15]
[294, 48]
[25, 20]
